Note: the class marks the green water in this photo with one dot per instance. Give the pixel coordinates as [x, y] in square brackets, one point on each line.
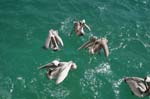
[24, 26]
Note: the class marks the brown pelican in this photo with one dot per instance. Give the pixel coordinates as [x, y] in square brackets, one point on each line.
[79, 27]
[51, 65]
[139, 86]
[58, 70]
[94, 45]
[53, 40]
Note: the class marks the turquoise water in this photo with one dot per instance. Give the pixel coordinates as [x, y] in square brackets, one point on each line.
[24, 26]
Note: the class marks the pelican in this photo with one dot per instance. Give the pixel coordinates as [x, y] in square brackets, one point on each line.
[58, 70]
[53, 40]
[79, 27]
[139, 86]
[51, 65]
[95, 44]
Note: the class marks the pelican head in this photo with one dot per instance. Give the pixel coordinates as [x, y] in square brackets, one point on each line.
[73, 65]
[56, 62]
[104, 40]
[147, 79]
[83, 21]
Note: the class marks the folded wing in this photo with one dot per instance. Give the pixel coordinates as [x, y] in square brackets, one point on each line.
[134, 84]
[88, 43]
[63, 73]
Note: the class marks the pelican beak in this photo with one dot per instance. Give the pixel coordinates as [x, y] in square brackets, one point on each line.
[105, 46]
[59, 39]
[88, 43]
[49, 65]
[48, 40]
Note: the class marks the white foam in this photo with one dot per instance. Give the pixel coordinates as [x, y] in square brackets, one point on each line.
[91, 59]
[65, 25]
[121, 45]
[6, 86]
[140, 64]
[108, 34]
[59, 92]
[12, 88]
[19, 78]
[121, 34]
[146, 44]
[91, 82]
[115, 87]
[137, 25]
[103, 68]
[124, 46]
[33, 80]
[144, 2]
[101, 8]
[22, 80]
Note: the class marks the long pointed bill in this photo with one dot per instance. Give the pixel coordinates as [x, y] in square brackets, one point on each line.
[106, 50]
[59, 39]
[47, 43]
[46, 66]
[105, 47]
[87, 27]
[88, 43]
[85, 45]
[55, 42]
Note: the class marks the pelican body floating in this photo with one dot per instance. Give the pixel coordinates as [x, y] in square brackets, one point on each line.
[53, 40]
[58, 70]
[138, 86]
[94, 45]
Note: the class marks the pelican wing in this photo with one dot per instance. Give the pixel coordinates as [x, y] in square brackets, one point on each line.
[133, 83]
[63, 73]
[88, 43]
[54, 73]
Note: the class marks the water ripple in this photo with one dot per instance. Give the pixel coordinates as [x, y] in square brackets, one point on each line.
[91, 81]
[115, 86]
[57, 92]
[6, 87]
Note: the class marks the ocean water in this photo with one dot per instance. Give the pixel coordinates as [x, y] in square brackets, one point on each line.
[24, 26]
